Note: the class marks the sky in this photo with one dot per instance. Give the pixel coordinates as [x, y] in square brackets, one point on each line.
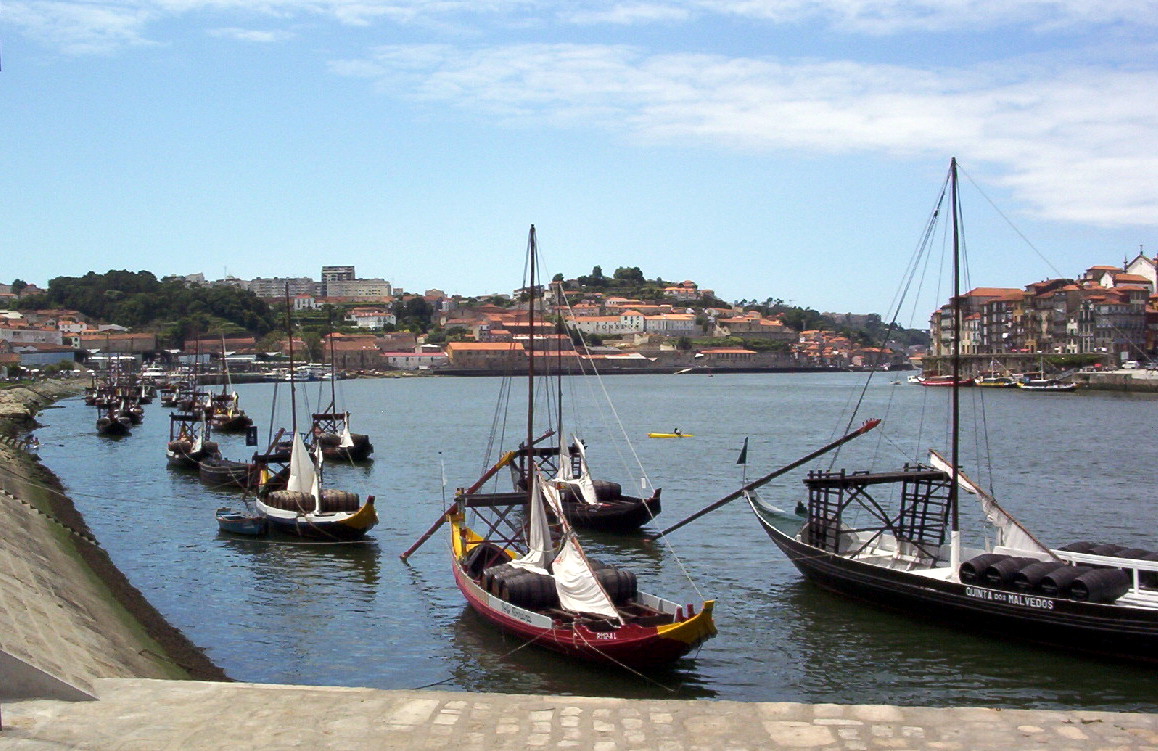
[786, 149]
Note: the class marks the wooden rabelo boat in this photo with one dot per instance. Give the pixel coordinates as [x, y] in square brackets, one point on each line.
[189, 442]
[541, 586]
[330, 430]
[225, 412]
[518, 562]
[112, 421]
[301, 506]
[305, 509]
[592, 504]
[222, 474]
[226, 416]
[331, 433]
[894, 539]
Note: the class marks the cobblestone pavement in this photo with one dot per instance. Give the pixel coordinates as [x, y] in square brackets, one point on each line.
[140, 714]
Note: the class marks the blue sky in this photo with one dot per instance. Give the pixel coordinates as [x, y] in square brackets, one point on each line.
[764, 148]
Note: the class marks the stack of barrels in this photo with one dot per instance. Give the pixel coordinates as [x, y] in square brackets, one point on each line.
[1085, 583]
[533, 591]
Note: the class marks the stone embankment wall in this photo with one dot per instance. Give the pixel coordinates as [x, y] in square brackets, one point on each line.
[67, 616]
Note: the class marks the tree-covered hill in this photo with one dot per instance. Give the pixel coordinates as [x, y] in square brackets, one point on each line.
[171, 307]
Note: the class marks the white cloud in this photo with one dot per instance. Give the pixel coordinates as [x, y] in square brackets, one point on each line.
[251, 35]
[894, 16]
[81, 28]
[98, 25]
[1078, 143]
[629, 13]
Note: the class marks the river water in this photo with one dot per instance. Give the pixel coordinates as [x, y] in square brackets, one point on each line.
[1070, 466]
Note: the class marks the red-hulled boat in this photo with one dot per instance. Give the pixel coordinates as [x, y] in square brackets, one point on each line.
[519, 564]
[543, 588]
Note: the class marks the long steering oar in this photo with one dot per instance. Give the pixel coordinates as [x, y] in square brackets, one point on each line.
[768, 477]
[504, 461]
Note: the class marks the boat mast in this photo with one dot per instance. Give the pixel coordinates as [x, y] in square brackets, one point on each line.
[559, 378]
[333, 365]
[289, 327]
[531, 368]
[955, 533]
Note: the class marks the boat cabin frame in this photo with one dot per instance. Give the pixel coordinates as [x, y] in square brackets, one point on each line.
[921, 523]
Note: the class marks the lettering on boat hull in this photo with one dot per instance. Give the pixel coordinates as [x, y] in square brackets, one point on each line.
[1010, 598]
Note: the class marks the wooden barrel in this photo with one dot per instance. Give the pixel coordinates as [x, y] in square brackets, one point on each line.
[1101, 585]
[339, 500]
[291, 500]
[1028, 578]
[1057, 583]
[999, 574]
[969, 572]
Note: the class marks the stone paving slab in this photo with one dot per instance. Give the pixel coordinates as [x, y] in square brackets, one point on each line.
[153, 715]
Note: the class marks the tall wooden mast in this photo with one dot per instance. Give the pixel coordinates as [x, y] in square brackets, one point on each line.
[530, 444]
[956, 410]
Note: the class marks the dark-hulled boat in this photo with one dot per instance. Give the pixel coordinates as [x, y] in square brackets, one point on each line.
[893, 539]
[597, 505]
[189, 443]
[226, 416]
[112, 421]
[222, 474]
[331, 432]
[247, 523]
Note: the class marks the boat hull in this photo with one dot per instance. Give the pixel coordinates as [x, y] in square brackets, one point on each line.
[359, 452]
[634, 645]
[1119, 632]
[342, 527]
[624, 514]
[238, 423]
[240, 523]
[223, 473]
[631, 645]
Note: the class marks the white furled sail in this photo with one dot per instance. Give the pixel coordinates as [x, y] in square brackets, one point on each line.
[302, 476]
[347, 439]
[584, 483]
[1010, 531]
[539, 546]
[575, 582]
[316, 486]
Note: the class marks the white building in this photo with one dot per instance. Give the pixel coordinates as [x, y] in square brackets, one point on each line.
[374, 319]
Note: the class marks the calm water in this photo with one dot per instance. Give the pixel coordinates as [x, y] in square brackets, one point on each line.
[1070, 466]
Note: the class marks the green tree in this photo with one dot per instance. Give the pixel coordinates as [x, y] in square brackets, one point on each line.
[631, 275]
[18, 286]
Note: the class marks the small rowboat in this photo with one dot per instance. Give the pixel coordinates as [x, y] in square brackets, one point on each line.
[240, 522]
[670, 435]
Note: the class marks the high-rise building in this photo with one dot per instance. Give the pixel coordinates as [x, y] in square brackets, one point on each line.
[335, 274]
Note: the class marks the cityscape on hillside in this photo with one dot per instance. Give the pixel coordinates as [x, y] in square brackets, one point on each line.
[619, 323]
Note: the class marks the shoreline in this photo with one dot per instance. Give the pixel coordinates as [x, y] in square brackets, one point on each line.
[107, 600]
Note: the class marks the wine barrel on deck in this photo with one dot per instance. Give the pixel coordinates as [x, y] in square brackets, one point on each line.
[1028, 578]
[338, 500]
[291, 500]
[969, 572]
[999, 574]
[1101, 585]
[1057, 583]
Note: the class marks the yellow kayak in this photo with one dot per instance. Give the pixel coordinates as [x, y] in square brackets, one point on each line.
[670, 435]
